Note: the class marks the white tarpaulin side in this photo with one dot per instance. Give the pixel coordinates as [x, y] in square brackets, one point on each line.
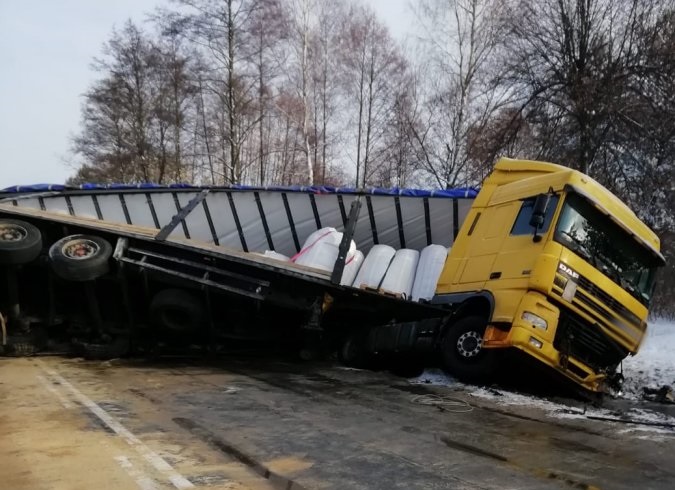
[259, 220]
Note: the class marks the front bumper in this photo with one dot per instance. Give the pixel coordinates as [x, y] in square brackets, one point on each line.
[541, 343]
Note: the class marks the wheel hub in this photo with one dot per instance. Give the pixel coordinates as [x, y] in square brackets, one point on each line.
[469, 344]
[12, 233]
[80, 249]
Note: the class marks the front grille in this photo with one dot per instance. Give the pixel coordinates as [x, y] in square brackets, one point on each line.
[586, 342]
[610, 302]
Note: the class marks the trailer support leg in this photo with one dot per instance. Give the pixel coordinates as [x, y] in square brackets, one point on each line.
[210, 348]
[312, 332]
[14, 310]
[94, 310]
[21, 324]
[124, 285]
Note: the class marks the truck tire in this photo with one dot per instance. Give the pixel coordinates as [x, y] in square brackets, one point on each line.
[352, 351]
[21, 346]
[177, 310]
[462, 350]
[101, 352]
[80, 257]
[20, 242]
[26, 344]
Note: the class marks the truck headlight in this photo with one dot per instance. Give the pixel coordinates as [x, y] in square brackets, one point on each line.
[535, 320]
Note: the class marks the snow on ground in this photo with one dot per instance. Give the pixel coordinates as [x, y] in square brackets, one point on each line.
[653, 367]
[436, 377]
[654, 364]
[633, 419]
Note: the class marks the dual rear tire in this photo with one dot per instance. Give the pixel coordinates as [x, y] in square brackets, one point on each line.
[74, 258]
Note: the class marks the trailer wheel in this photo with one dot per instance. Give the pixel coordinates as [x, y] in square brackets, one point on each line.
[353, 353]
[26, 344]
[177, 310]
[80, 257]
[101, 352]
[463, 352]
[20, 242]
[21, 346]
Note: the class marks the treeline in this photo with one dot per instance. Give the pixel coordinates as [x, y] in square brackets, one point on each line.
[319, 92]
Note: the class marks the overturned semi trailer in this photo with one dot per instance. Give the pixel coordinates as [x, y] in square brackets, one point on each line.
[186, 260]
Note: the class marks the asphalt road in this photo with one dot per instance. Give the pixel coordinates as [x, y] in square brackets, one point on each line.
[249, 424]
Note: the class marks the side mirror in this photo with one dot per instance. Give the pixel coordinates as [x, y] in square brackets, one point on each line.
[539, 214]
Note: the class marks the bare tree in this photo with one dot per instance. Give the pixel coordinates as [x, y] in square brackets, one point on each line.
[220, 30]
[268, 31]
[373, 68]
[398, 151]
[330, 17]
[119, 118]
[460, 43]
[302, 14]
[569, 64]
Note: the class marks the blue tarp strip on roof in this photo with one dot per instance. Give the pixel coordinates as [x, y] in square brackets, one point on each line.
[36, 188]
[462, 192]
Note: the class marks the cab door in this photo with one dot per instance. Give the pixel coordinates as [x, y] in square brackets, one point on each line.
[501, 247]
[519, 252]
[485, 241]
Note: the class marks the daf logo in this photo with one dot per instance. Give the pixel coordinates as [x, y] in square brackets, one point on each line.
[568, 271]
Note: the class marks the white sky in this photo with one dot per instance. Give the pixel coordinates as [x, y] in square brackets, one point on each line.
[46, 48]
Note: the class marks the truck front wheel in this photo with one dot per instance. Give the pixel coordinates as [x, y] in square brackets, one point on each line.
[463, 353]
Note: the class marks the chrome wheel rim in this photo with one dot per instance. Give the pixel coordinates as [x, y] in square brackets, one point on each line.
[469, 344]
[12, 233]
[80, 249]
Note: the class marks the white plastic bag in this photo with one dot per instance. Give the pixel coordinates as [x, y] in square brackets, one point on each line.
[401, 272]
[352, 266]
[429, 268]
[320, 250]
[374, 267]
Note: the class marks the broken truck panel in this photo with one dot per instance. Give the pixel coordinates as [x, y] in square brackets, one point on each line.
[543, 260]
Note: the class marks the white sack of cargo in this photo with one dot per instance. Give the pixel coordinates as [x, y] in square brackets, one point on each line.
[327, 233]
[374, 267]
[352, 267]
[429, 268]
[276, 256]
[401, 273]
[320, 250]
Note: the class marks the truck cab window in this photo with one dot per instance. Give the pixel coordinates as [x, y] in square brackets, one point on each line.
[522, 224]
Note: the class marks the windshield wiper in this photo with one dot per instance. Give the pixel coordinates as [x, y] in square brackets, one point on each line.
[579, 247]
[610, 269]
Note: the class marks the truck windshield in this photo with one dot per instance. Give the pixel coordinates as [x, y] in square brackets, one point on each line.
[585, 230]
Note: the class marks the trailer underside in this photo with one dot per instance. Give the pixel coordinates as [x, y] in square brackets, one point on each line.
[236, 295]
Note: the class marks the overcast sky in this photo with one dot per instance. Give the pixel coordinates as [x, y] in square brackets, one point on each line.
[46, 49]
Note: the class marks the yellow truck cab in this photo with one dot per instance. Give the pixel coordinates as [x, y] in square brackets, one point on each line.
[553, 264]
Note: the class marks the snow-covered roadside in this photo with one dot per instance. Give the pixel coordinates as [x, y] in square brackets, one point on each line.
[633, 420]
[654, 364]
[653, 367]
